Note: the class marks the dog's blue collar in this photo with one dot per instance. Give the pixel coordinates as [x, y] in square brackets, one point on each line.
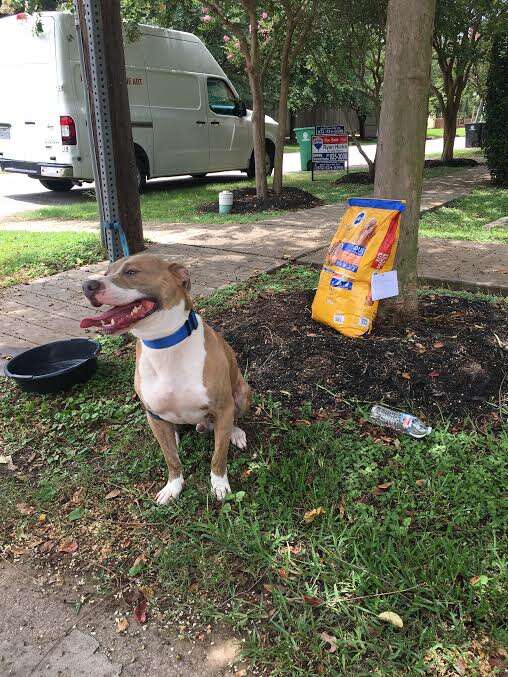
[177, 337]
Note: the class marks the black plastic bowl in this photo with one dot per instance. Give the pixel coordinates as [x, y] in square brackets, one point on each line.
[54, 366]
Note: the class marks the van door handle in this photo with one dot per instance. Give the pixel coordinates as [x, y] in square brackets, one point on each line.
[200, 122]
[215, 122]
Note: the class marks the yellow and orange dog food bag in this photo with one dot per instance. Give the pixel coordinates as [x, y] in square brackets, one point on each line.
[365, 243]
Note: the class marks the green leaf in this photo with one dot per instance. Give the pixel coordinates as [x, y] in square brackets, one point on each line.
[240, 495]
[76, 514]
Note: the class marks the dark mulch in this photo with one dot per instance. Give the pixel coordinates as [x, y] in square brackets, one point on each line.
[456, 162]
[245, 201]
[355, 177]
[365, 179]
[447, 363]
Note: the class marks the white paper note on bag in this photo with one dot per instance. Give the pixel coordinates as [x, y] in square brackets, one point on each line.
[384, 285]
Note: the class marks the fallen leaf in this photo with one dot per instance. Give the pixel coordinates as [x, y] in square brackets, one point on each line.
[342, 508]
[68, 546]
[25, 509]
[311, 515]
[246, 473]
[438, 344]
[479, 580]
[7, 461]
[420, 348]
[406, 375]
[313, 601]
[282, 573]
[42, 518]
[140, 612]
[420, 483]
[78, 496]
[147, 591]
[460, 666]
[47, 547]
[121, 624]
[268, 587]
[295, 549]
[138, 566]
[76, 514]
[115, 493]
[331, 640]
[381, 488]
[391, 617]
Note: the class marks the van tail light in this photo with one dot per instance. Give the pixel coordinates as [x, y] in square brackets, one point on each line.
[68, 130]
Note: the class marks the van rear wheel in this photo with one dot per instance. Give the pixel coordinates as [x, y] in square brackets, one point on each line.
[59, 185]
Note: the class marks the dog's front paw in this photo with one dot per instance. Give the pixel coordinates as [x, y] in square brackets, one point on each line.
[220, 486]
[238, 437]
[170, 491]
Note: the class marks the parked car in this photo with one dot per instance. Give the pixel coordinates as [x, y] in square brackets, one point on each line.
[187, 117]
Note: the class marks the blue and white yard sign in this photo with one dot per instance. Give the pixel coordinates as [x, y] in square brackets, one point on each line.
[329, 149]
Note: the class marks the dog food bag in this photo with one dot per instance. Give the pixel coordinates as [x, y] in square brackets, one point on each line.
[365, 243]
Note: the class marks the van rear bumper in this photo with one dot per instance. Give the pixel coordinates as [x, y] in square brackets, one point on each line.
[37, 169]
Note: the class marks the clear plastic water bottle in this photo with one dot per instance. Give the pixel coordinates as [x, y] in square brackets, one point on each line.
[404, 423]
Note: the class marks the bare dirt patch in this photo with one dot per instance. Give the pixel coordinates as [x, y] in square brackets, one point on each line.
[245, 201]
[448, 363]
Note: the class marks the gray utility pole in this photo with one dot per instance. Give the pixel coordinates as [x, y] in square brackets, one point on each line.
[100, 41]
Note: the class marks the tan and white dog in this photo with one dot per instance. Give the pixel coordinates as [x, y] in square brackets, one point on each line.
[185, 372]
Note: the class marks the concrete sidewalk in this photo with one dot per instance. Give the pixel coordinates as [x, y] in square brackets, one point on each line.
[50, 308]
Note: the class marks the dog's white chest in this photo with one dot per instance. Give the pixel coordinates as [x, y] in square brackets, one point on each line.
[171, 380]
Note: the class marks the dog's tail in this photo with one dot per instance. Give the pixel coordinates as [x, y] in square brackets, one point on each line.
[242, 395]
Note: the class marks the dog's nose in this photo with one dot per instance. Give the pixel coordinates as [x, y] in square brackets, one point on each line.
[91, 287]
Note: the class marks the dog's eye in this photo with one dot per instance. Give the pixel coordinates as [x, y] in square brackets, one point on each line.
[131, 272]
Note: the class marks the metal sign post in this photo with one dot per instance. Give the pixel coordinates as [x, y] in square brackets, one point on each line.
[330, 148]
[90, 34]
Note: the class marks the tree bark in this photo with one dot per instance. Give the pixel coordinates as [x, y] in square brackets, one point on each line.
[258, 131]
[362, 118]
[123, 145]
[402, 131]
[449, 132]
[281, 132]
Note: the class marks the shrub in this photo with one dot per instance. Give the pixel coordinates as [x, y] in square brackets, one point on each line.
[496, 111]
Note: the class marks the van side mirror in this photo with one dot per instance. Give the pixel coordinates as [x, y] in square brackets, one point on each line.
[241, 109]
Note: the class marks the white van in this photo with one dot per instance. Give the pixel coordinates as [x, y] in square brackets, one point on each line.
[187, 117]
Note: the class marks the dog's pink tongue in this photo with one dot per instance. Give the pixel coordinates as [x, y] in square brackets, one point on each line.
[119, 317]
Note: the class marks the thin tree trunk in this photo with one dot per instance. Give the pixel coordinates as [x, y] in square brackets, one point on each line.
[402, 131]
[281, 130]
[362, 118]
[449, 132]
[258, 131]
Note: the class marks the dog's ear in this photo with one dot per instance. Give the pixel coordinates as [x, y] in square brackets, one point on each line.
[182, 275]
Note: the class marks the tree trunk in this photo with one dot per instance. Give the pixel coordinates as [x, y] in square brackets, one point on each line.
[449, 132]
[258, 131]
[402, 131]
[281, 130]
[362, 118]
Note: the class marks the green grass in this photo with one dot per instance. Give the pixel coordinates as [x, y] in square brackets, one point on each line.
[464, 218]
[26, 255]
[178, 201]
[438, 133]
[415, 549]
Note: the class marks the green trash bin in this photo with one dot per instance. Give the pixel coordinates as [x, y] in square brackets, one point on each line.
[304, 138]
